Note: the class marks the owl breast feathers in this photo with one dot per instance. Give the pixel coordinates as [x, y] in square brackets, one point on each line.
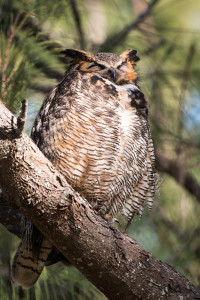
[93, 127]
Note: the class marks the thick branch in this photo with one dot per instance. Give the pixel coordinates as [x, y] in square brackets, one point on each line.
[173, 168]
[113, 262]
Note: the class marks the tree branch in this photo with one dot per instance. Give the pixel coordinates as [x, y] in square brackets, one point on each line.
[77, 20]
[117, 38]
[173, 168]
[41, 88]
[113, 262]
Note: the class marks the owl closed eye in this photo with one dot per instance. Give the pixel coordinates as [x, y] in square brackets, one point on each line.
[116, 68]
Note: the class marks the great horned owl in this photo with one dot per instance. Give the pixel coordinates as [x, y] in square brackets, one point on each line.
[94, 128]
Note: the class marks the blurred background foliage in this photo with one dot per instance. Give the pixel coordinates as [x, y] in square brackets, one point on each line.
[33, 32]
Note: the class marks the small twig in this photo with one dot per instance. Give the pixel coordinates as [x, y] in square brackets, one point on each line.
[41, 88]
[14, 28]
[159, 36]
[14, 70]
[21, 120]
[153, 47]
[77, 20]
[6, 60]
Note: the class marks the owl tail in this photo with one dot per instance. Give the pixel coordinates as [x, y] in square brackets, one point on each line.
[30, 258]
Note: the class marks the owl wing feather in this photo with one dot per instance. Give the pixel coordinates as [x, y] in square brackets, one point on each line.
[30, 257]
[99, 139]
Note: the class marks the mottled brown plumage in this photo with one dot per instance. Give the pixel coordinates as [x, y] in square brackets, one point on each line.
[93, 127]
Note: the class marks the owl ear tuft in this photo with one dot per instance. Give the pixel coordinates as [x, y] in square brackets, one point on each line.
[130, 56]
[77, 55]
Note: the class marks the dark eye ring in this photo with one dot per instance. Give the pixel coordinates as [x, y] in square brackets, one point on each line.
[96, 65]
[91, 66]
[101, 67]
[119, 67]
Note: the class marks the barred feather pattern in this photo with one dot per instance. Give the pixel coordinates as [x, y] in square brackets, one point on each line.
[99, 142]
[30, 257]
[97, 135]
[144, 191]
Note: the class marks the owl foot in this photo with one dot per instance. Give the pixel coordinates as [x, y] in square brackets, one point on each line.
[111, 220]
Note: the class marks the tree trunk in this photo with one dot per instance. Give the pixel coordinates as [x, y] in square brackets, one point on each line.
[113, 262]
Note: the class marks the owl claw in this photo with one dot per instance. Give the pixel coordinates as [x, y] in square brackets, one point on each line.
[128, 225]
[127, 229]
[112, 220]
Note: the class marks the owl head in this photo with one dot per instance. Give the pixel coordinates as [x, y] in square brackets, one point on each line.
[116, 68]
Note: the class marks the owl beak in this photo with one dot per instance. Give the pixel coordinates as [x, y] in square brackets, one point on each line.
[112, 74]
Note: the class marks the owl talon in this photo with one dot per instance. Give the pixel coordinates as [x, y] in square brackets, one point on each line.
[127, 228]
[128, 225]
[112, 220]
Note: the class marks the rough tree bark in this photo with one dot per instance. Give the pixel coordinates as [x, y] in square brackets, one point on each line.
[113, 262]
